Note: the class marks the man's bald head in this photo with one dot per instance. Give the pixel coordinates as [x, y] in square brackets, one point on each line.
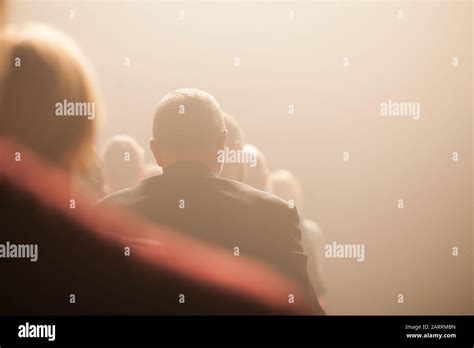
[188, 126]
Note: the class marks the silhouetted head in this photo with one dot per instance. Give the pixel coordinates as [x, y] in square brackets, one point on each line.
[188, 126]
[284, 184]
[2, 49]
[49, 101]
[3, 4]
[256, 168]
[234, 170]
[123, 162]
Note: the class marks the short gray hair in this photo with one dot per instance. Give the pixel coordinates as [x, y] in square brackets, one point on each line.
[187, 120]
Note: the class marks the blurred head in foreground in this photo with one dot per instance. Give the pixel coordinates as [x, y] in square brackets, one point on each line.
[49, 102]
[123, 162]
[2, 12]
[3, 5]
[2, 48]
[284, 184]
[256, 168]
[188, 126]
[234, 165]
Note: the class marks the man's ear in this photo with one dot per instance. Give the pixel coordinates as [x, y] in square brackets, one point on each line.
[222, 140]
[220, 147]
[155, 150]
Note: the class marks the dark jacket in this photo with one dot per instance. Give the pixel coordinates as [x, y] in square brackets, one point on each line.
[236, 217]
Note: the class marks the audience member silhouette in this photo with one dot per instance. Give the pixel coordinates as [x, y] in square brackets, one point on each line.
[123, 163]
[285, 185]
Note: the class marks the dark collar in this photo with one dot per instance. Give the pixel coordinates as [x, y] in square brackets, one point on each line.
[187, 169]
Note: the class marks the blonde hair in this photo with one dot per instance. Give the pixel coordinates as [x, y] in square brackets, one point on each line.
[3, 52]
[47, 68]
[2, 13]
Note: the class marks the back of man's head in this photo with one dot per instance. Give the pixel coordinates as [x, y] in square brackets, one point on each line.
[187, 126]
[123, 162]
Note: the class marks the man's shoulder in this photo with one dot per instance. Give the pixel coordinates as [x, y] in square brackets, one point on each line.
[128, 195]
[226, 191]
[259, 201]
[255, 195]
